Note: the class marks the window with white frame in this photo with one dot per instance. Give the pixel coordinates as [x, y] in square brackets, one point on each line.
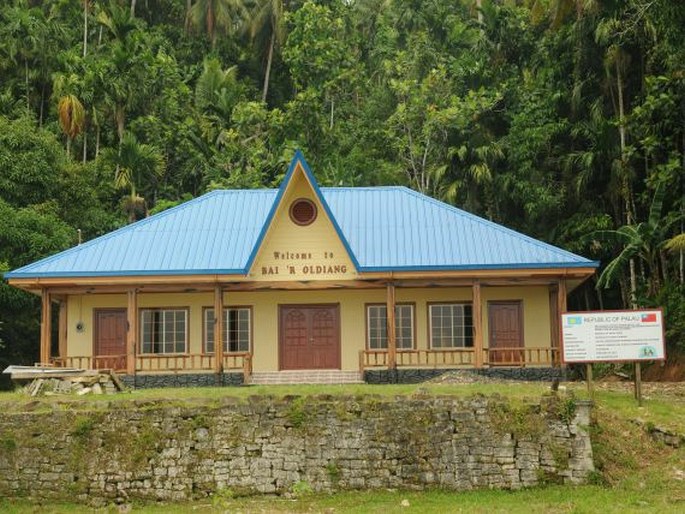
[163, 330]
[451, 325]
[377, 327]
[236, 329]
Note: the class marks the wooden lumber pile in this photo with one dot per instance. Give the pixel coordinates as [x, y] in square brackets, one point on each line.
[103, 381]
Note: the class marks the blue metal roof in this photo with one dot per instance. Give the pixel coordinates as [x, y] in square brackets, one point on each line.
[398, 229]
[383, 228]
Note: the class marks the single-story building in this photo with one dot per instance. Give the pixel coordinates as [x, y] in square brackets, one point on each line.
[338, 283]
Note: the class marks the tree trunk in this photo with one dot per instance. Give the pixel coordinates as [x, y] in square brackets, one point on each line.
[332, 111]
[85, 145]
[119, 114]
[189, 4]
[633, 285]
[133, 8]
[267, 73]
[586, 295]
[85, 27]
[26, 70]
[600, 298]
[210, 27]
[42, 102]
[624, 179]
[681, 264]
[622, 136]
[68, 147]
[97, 141]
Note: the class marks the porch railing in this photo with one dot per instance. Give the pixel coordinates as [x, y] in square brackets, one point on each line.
[174, 363]
[114, 362]
[521, 357]
[418, 358]
[461, 357]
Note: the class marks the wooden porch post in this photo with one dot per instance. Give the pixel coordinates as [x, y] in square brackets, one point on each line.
[132, 332]
[218, 329]
[477, 325]
[45, 326]
[554, 316]
[392, 340]
[62, 328]
[561, 309]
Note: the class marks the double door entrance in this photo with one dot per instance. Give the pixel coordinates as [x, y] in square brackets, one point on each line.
[309, 336]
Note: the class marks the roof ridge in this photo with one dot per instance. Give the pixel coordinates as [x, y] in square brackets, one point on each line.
[256, 190]
[489, 223]
[358, 188]
[109, 235]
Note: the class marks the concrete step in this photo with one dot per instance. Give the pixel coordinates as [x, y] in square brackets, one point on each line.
[308, 376]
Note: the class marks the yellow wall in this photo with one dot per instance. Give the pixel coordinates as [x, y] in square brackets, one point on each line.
[316, 250]
[352, 315]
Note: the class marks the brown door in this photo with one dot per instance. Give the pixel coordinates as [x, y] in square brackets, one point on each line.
[309, 337]
[505, 321]
[110, 339]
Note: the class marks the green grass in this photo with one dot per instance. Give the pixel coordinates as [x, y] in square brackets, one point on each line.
[663, 411]
[17, 401]
[522, 390]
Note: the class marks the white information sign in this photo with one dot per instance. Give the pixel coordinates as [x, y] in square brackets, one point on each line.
[612, 336]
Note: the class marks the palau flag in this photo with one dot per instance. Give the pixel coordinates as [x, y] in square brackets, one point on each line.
[574, 320]
[648, 318]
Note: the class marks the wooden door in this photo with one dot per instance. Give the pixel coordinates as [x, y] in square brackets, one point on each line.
[309, 337]
[505, 321]
[110, 339]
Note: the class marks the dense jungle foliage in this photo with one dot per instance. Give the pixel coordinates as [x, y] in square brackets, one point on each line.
[563, 119]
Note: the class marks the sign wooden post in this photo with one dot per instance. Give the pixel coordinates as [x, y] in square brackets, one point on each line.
[588, 378]
[638, 383]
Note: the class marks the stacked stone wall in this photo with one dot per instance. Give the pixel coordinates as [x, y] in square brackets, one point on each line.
[147, 381]
[160, 451]
[418, 375]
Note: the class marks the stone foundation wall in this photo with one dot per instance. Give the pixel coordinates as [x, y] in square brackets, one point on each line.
[382, 376]
[142, 381]
[414, 376]
[150, 451]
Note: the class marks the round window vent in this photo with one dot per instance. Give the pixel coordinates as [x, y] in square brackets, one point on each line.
[303, 212]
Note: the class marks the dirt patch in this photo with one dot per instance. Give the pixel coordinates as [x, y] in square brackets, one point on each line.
[673, 370]
[655, 389]
[461, 377]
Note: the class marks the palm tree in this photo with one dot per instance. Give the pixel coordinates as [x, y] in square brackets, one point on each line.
[22, 31]
[121, 76]
[72, 118]
[136, 165]
[216, 16]
[646, 242]
[69, 93]
[267, 22]
[217, 90]
[119, 21]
